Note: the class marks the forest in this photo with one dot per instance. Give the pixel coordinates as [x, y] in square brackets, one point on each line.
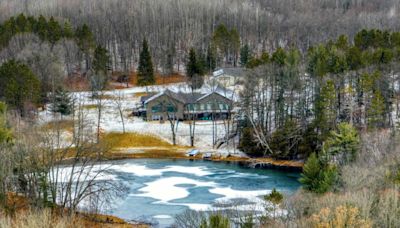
[321, 86]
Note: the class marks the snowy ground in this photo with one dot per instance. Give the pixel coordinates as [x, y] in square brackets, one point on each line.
[111, 121]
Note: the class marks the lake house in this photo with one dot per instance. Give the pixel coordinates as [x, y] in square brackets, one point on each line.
[184, 106]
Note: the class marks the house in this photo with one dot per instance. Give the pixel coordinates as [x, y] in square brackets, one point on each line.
[184, 106]
[227, 77]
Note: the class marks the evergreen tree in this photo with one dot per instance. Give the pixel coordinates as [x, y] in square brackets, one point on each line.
[285, 140]
[194, 70]
[376, 111]
[317, 61]
[325, 109]
[67, 31]
[279, 57]
[41, 28]
[245, 55]
[342, 42]
[21, 23]
[145, 74]
[18, 85]
[54, 31]
[101, 60]
[275, 198]
[216, 221]
[85, 38]
[248, 144]
[318, 176]
[354, 58]
[62, 102]
[343, 144]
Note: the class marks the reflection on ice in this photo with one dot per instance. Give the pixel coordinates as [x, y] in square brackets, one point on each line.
[141, 170]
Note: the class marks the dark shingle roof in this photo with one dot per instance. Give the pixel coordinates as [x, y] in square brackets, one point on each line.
[184, 98]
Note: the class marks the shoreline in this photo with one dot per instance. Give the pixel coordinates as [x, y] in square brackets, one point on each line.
[177, 153]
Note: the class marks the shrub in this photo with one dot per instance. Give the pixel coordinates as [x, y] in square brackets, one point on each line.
[341, 217]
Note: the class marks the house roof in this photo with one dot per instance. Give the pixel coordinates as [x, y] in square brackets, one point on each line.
[145, 98]
[185, 97]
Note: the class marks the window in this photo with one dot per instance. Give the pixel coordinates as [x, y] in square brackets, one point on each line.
[171, 108]
[156, 108]
[202, 107]
[155, 117]
[209, 106]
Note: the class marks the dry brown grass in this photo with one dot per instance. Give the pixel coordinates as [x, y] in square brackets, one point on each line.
[140, 94]
[91, 106]
[160, 79]
[67, 125]
[125, 140]
[152, 153]
[107, 97]
[22, 216]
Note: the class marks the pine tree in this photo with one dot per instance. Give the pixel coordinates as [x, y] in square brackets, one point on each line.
[318, 176]
[216, 221]
[245, 55]
[101, 60]
[85, 38]
[62, 102]
[343, 144]
[54, 31]
[18, 85]
[247, 143]
[275, 198]
[279, 57]
[67, 31]
[41, 28]
[376, 111]
[325, 108]
[194, 70]
[145, 74]
[191, 65]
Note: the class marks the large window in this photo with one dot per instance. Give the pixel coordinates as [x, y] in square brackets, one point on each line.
[156, 108]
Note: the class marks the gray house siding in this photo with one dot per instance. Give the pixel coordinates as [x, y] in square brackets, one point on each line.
[187, 106]
[163, 107]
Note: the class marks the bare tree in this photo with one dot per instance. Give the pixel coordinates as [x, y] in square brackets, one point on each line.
[119, 98]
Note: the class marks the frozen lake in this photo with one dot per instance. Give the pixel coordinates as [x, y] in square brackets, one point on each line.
[160, 189]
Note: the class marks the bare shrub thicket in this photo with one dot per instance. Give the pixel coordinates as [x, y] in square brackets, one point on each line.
[54, 167]
[38, 219]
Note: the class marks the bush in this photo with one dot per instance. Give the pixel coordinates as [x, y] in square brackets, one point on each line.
[216, 221]
[340, 217]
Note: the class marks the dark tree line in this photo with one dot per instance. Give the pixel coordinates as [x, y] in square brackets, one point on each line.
[172, 27]
[39, 54]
